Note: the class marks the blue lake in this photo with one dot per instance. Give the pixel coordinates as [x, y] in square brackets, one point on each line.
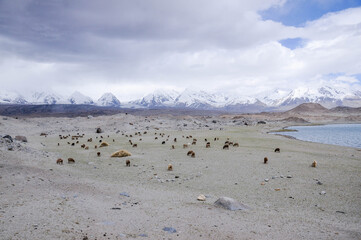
[337, 134]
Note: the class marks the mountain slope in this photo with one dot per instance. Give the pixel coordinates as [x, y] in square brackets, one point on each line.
[108, 99]
[79, 98]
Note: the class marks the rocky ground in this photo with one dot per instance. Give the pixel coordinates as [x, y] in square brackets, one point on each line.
[99, 197]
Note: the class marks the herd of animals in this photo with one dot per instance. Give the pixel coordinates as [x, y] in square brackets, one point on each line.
[191, 153]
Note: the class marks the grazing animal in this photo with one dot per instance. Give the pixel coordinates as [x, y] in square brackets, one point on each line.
[95, 146]
[98, 154]
[73, 144]
[235, 145]
[194, 143]
[135, 145]
[113, 140]
[185, 145]
[156, 138]
[58, 144]
[173, 147]
[86, 148]
[189, 153]
[314, 164]
[59, 161]
[121, 153]
[163, 142]
[277, 150]
[175, 140]
[265, 160]
[77, 142]
[208, 145]
[226, 146]
[170, 167]
[82, 146]
[193, 155]
[71, 160]
[127, 163]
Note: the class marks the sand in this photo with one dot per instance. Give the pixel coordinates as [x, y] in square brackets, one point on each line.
[101, 198]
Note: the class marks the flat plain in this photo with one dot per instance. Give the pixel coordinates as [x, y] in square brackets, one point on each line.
[99, 197]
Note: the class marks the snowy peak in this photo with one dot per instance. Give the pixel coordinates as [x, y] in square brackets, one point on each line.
[11, 98]
[326, 95]
[79, 98]
[109, 100]
[158, 98]
[45, 98]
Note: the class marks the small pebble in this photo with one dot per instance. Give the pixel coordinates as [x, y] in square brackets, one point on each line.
[266, 180]
[323, 193]
[169, 229]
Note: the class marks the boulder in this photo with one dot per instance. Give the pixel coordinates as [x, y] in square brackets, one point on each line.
[10, 139]
[230, 204]
[21, 138]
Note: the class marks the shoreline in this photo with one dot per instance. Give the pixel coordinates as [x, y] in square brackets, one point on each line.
[284, 133]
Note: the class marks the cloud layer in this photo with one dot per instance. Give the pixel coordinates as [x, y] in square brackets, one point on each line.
[133, 47]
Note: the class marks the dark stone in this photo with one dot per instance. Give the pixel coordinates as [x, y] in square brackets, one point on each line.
[99, 130]
[8, 137]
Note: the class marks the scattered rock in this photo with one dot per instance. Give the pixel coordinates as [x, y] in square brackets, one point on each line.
[230, 204]
[323, 193]
[99, 130]
[10, 139]
[266, 180]
[289, 176]
[90, 116]
[21, 138]
[124, 194]
[319, 183]
[201, 198]
[169, 229]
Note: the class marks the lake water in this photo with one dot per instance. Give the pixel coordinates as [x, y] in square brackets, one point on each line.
[337, 134]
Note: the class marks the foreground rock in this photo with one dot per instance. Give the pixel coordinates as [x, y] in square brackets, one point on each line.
[230, 204]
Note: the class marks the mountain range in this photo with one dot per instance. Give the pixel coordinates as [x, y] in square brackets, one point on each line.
[191, 99]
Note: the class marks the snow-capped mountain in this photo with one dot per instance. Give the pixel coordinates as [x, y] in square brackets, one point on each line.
[79, 98]
[159, 98]
[279, 99]
[109, 100]
[326, 95]
[11, 98]
[190, 98]
[46, 98]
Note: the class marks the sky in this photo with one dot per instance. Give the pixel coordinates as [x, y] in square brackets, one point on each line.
[131, 48]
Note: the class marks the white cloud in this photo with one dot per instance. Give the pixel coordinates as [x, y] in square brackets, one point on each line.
[130, 50]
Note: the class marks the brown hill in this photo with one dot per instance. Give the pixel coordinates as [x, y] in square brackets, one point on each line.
[309, 108]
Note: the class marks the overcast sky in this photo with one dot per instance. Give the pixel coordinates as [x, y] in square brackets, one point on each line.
[133, 47]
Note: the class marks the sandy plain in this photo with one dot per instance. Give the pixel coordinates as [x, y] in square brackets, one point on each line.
[101, 198]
